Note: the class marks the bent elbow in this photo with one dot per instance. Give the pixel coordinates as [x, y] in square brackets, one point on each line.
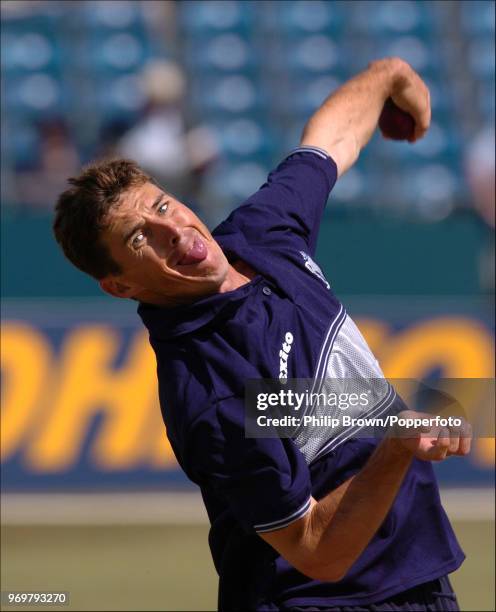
[325, 573]
[330, 575]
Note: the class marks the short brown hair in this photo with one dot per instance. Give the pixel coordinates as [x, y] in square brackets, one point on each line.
[81, 210]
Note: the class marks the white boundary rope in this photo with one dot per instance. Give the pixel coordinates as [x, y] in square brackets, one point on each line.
[181, 508]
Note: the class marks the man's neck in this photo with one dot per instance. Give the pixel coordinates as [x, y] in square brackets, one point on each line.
[239, 274]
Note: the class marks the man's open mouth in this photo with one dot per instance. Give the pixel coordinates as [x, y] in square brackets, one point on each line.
[197, 252]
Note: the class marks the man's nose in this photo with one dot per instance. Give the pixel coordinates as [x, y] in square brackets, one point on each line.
[167, 231]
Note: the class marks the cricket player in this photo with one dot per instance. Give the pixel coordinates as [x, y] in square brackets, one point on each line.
[333, 522]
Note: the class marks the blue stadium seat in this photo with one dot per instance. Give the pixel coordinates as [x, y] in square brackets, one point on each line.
[236, 181]
[315, 54]
[426, 190]
[478, 17]
[115, 15]
[245, 139]
[35, 95]
[403, 17]
[112, 53]
[432, 190]
[234, 94]
[416, 51]
[215, 16]
[29, 51]
[481, 57]
[119, 98]
[301, 18]
[227, 52]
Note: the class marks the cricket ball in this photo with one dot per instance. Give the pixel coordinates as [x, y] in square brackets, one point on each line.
[395, 123]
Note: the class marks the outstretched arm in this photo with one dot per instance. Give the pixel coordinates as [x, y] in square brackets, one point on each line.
[345, 122]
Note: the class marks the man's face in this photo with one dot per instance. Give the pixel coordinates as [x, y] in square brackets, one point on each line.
[166, 254]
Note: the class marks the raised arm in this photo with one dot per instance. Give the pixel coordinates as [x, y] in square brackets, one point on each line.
[345, 122]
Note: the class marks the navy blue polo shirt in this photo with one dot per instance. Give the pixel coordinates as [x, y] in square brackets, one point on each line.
[207, 350]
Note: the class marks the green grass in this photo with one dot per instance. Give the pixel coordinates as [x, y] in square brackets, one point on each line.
[169, 567]
[474, 581]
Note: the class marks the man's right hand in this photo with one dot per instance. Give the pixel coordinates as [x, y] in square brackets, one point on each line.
[346, 120]
[409, 93]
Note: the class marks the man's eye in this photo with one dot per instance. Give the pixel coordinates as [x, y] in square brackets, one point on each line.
[162, 208]
[138, 239]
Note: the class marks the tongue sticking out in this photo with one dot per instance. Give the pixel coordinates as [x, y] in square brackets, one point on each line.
[196, 253]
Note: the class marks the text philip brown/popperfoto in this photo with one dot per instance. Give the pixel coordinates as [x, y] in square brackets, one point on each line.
[337, 401]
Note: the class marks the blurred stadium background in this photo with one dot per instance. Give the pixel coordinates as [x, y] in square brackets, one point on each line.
[209, 96]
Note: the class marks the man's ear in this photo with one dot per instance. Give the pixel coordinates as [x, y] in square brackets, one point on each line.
[117, 289]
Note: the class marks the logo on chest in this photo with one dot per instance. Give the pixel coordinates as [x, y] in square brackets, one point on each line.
[314, 268]
[283, 356]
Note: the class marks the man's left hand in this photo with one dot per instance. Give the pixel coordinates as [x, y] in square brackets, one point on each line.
[436, 442]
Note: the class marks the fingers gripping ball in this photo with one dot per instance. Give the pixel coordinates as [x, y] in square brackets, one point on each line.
[395, 123]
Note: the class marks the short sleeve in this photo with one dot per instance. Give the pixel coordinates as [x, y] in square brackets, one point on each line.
[265, 482]
[291, 202]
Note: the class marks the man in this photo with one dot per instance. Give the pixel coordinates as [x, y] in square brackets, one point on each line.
[345, 523]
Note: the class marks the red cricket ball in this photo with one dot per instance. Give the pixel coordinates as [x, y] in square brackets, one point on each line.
[395, 123]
